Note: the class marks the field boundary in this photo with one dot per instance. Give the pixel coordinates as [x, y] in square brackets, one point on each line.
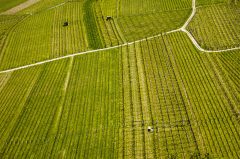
[182, 29]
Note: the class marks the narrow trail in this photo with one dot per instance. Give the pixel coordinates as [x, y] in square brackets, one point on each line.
[182, 29]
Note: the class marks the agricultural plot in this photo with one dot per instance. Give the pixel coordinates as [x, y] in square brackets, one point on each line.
[160, 78]
[43, 36]
[110, 8]
[7, 23]
[228, 66]
[136, 7]
[214, 110]
[102, 104]
[5, 4]
[66, 108]
[153, 98]
[216, 27]
[211, 2]
[145, 25]
[109, 29]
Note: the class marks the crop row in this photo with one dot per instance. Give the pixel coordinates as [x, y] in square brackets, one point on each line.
[133, 7]
[7, 23]
[210, 2]
[144, 25]
[152, 97]
[89, 123]
[210, 102]
[108, 28]
[42, 36]
[66, 108]
[32, 119]
[110, 7]
[216, 27]
[227, 65]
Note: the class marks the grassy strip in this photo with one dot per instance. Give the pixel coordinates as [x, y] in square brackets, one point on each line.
[93, 34]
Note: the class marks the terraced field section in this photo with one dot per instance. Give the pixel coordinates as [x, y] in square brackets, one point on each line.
[101, 104]
[217, 26]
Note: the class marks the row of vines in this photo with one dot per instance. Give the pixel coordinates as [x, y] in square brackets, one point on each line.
[216, 27]
[213, 108]
[68, 108]
[134, 7]
[137, 27]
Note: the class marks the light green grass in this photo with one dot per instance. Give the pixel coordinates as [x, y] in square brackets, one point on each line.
[145, 25]
[7, 24]
[6, 4]
[133, 7]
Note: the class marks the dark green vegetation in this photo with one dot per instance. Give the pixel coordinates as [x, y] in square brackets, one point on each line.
[100, 104]
[8, 4]
[91, 25]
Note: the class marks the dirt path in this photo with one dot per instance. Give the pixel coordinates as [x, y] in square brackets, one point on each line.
[20, 7]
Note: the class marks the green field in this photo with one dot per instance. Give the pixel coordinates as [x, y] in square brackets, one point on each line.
[93, 89]
[6, 4]
[217, 27]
